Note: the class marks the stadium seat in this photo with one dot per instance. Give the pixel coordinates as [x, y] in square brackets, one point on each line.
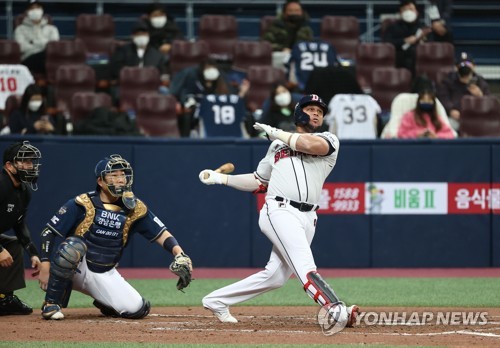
[343, 33]
[135, 80]
[370, 56]
[156, 115]
[247, 53]
[69, 80]
[12, 103]
[97, 32]
[387, 83]
[433, 57]
[10, 52]
[63, 52]
[82, 104]
[480, 116]
[262, 78]
[221, 33]
[184, 54]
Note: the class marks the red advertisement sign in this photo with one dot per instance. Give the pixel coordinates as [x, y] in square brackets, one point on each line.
[473, 198]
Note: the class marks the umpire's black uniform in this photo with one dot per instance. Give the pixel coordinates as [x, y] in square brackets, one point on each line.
[13, 205]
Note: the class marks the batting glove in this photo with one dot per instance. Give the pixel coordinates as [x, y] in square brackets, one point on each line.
[271, 132]
[209, 177]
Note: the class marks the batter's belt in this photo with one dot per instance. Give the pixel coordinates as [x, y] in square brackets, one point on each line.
[298, 205]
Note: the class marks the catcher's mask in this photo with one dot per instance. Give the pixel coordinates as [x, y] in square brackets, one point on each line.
[111, 164]
[301, 118]
[26, 159]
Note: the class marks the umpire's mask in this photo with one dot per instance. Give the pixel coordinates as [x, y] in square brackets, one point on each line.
[26, 159]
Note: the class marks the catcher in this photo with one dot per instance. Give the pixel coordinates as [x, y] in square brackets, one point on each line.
[96, 227]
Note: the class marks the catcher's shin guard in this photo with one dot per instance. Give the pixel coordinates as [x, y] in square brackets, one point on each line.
[319, 290]
[62, 268]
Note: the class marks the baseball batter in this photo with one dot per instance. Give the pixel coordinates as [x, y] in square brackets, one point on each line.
[292, 172]
[96, 227]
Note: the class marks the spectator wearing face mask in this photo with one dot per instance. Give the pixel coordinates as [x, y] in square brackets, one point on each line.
[290, 27]
[463, 81]
[162, 28]
[405, 34]
[31, 117]
[32, 35]
[137, 53]
[279, 113]
[424, 121]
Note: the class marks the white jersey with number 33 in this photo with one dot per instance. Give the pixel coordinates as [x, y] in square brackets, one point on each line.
[353, 116]
[296, 175]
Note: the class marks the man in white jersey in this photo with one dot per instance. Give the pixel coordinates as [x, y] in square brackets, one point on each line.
[292, 172]
[353, 116]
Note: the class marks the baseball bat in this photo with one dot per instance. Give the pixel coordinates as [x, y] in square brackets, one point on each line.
[226, 168]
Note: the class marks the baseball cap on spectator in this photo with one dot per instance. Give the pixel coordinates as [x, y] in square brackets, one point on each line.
[465, 59]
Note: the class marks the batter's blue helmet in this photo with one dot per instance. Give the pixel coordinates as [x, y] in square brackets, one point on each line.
[110, 164]
[301, 118]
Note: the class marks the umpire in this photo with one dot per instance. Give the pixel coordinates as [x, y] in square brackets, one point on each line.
[21, 163]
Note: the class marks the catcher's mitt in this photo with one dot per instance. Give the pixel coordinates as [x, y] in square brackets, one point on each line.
[182, 267]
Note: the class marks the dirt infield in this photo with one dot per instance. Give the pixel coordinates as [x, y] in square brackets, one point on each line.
[258, 325]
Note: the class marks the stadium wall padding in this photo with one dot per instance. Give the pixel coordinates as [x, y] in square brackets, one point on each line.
[218, 226]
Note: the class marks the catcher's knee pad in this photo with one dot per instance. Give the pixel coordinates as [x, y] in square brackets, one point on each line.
[141, 313]
[319, 290]
[68, 256]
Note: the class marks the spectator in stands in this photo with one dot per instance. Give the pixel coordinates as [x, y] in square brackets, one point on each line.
[440, 15]
[424, 121]
[405, 34]
[162, 28]
[290, 27]
[31, 117]
[191, 85]
[137, 53]
[279, 112]
[33, 34]
[463, 81]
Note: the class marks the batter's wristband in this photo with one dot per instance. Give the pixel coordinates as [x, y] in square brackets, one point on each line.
[170, 243]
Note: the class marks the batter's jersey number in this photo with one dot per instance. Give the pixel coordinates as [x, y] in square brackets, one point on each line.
[357, 114]
[224, 114]
[8, 84]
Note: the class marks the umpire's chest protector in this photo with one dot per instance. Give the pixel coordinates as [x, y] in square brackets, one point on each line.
[105, 229]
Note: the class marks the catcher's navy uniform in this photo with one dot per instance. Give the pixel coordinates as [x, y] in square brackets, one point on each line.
[95, 234]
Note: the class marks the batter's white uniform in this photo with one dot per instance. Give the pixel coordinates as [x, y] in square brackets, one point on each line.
[293, 177]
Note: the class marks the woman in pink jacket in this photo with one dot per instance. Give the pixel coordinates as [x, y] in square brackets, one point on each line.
[424, 121]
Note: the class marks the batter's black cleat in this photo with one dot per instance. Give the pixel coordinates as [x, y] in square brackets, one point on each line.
[106, 310]
[12, 305]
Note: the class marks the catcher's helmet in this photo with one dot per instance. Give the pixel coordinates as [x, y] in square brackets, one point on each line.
[28, 154]
[301, 118]
[111, 164]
